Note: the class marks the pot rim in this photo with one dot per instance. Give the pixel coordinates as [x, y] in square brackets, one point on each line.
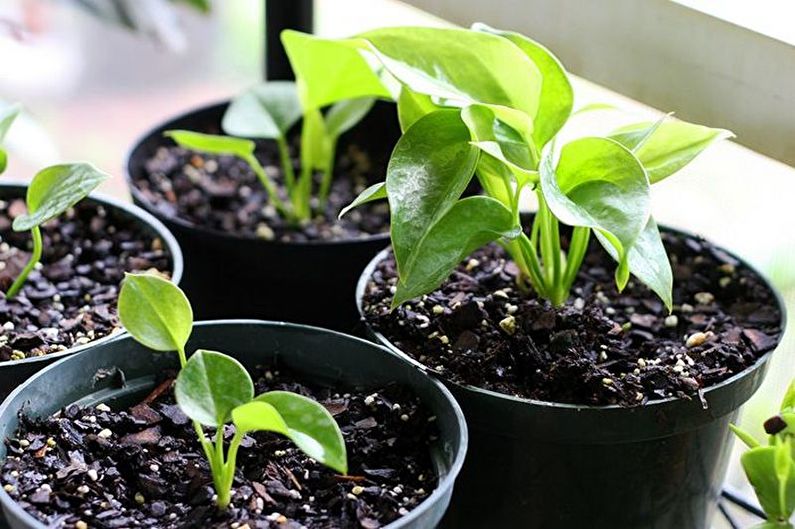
[157, 131]
[491, 394]
[445, 484]
[177, 264]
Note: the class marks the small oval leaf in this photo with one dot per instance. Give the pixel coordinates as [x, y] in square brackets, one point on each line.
[212, 143]
[311, 427]
[371, 194]
[155, 312]
[211, 385]
[256, 416]
[265, 111]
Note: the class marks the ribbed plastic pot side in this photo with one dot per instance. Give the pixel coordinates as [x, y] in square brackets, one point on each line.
[229, 275]
[319, 355]
[545, 465]
[13, 373]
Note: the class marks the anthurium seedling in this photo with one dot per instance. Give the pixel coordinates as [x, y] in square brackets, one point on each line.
[51, 192]
[214, 389]
[498, 119]
[7, 116]
[771, 468]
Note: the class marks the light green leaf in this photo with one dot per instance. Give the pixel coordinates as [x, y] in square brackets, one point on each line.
[7, 116]
[344, 115]
[265, 111]
[592, 107]
[258, 416]
[458, 66]
[557, 96]
[634, 137]
[773, 525]
[412, 106]
[760, 467]
[155, 312]
[670, 146]
[599, 184]
[3, 160]
[371, 194]
[430, 167]
[311, 427]
[328, 70]
[468, 225]
[316, 144]
[788, 403]
[648, 261]
[212, 143]
[56, 189]
[744, 436]
[210, 386]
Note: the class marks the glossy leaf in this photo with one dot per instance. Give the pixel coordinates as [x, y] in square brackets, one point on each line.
[648, 261]
[210, 386]
[371, 194]
[430, 167]
[212, 143]
[557, 96]
[328, 70]
[468, 225]
[459, 67]
[155, 312]
[311, 427]
[671, 145]
[257, 416]
[345, 115]
[599, 184]
[760, 467]
[412, 106]
[56, 189]
[265, 111]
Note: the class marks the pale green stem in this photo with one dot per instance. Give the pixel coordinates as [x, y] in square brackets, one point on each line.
[325, 184]
[287, 164]
[35, 257]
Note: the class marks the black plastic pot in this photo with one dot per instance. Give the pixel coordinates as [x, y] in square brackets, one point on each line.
[543, 465]
[322, 356]
[13, 373]
[231, 276]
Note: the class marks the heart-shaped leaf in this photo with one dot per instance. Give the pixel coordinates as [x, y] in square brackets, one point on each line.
[465, 227]
[265, 111]
[311, 427]
[760, 467]
[430, 167]
[210, 386]
[557, 96]
[598, 183]
[371, 194]
[344, 115]
[212, 143]
[668, 146]
[56, 189]
[155, 312]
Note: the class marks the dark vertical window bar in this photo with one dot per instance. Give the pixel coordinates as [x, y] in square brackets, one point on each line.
[280, 15]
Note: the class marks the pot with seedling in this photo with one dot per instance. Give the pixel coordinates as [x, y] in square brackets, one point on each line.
[292, 426]
[598, 359]
[63, 255]
[252, 189]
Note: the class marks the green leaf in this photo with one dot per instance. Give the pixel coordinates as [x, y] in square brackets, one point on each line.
[648, 261]
[430, 167]
[670, 146]
[257, 416]
[599, 184]
[468, 225]
[328, 71]
[3, 160]
[412, 106]
[773, 525]
[749, 440]
[56, 189]
[371, 194]
[760, 467]
[212, 143]
[557, 96]
[155, 312]
[210, 386]
[316, 147]
[264, 111]
[7, 116]
[788, 403]
[458, 66]
[311, 427]
[343, 116]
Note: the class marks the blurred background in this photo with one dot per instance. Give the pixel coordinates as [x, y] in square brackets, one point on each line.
[92, 78]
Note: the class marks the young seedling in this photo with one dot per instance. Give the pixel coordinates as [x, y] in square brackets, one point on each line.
[771, 468]
[498, 119]
[7, 116]
[214, 389]
[51, 192]
[270, 111]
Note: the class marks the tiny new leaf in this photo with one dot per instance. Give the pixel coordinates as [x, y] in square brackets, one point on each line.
[264, 111]
[155, 312]
[210, 386]
[212, 143]
[7, 116]
[371, 194]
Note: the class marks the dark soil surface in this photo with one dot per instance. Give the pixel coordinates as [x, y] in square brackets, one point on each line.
[602, 347]
[71, 298]
[222, 193]
[143, 467]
